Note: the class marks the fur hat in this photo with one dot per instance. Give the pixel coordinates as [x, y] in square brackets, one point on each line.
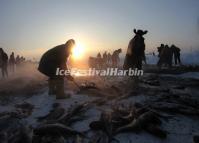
[140, 32]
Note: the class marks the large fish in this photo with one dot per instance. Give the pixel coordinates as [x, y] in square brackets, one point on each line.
[73, 113]
[140, 123]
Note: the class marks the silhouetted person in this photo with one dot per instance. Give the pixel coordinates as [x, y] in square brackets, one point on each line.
[99, 61]
[4, 63]
[22, 60]
[170, 55]
[12, 62]
[165, 57]
[176, 53]
[50, 62]
[116, 58]
[99, 55]
[109, 58]
[105, 57]
[136, 51]
[160, 49]
[17, 61]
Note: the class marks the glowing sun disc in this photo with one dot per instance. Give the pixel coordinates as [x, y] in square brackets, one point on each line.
[78, 51]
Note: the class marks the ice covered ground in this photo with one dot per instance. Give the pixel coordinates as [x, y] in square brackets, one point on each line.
[192, 75]
[180, 128]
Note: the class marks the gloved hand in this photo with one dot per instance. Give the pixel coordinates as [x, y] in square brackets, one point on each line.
[70, 78]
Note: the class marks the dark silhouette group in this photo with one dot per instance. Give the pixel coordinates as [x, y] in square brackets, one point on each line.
[56, 59]
[10, 62]
[166, 55]
[105, 60]
[134, 57]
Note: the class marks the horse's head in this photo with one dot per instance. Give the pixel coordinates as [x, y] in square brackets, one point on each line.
[140, 32]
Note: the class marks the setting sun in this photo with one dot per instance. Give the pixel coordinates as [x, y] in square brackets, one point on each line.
[78, 51]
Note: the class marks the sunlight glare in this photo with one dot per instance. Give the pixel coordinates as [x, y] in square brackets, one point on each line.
[78, 51]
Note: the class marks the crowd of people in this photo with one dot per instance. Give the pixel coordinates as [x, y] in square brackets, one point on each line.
[57, 58]
[105, 60]
[168, 55]
[9, 62]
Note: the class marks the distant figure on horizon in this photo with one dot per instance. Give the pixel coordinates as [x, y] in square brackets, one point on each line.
[136, 51]
[109, 59]
[99, 61]
[12, 62]
[4, 63]
[176, 53]
[99, 55]
[22, 60]
[116, 58]
[51, 60]
[17, 61]
[160, 49]
[165, 57]
[105, 58]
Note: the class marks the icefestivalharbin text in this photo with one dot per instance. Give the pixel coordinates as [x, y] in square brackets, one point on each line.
[99, 72]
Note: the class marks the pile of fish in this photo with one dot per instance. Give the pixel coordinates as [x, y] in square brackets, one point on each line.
[172, 99]
[13, 129]
[132, 118]
[59, 115]
[175, 104]
[53, 128]
[56, 126]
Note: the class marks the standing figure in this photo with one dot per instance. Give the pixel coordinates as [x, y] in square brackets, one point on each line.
[99, 61]
[4, 63]
[12, 62]
[105, 58]
[21, 60]
[109, 59]
[99, 55]
[116, 58]
[165, 57]
[176, 53]
[17, 61]
[53, 60]
[136, 51]
[160, 49]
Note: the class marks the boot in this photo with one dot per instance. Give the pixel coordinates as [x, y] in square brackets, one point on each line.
[60, 94]
[52, 87]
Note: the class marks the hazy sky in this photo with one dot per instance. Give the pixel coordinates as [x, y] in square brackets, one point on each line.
[33, 26]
